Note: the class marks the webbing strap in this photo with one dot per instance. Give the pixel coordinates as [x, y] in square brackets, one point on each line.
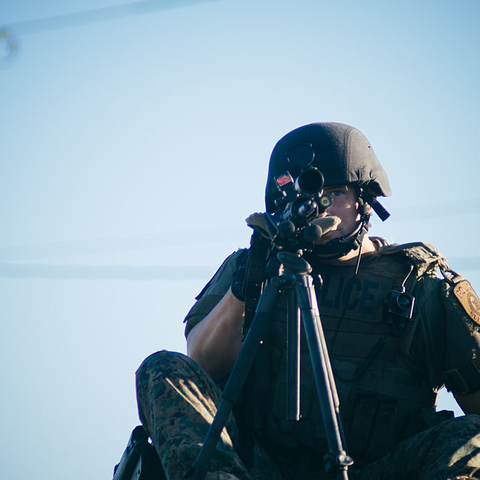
[401, 392]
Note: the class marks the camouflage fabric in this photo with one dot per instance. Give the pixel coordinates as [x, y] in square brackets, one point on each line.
[177, 402]
[449, 451]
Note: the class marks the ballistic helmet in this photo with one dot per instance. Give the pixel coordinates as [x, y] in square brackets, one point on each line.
[342, 154]
[344, 157]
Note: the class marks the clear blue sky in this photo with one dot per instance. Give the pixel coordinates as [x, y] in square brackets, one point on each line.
[133, 147]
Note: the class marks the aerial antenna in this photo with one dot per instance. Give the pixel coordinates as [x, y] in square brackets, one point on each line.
[9, 34]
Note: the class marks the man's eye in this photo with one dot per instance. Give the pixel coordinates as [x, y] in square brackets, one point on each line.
[335, 193]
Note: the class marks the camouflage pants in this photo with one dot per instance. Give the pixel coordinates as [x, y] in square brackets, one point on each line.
[448, 451]
[177, 401]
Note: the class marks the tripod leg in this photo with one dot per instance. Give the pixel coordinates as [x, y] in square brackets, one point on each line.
[237, 378]
[307, 302]
[293, 359]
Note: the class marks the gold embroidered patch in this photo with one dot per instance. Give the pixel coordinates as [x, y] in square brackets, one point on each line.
[469, 300]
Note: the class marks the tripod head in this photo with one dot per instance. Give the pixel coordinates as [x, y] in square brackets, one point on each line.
[288, 236]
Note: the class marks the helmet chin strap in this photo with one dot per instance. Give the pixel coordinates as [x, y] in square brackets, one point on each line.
[338, 247]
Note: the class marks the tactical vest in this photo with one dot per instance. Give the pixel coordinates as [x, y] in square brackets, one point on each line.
[384, 398]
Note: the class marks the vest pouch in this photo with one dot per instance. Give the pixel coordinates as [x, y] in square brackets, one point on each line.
[289, 433]
[384, 432]
[309, 430]
[360, 426]
[372, 427]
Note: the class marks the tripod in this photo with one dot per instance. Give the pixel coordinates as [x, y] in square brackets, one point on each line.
[297, 282]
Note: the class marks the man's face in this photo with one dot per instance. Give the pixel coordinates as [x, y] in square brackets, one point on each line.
[345, 207]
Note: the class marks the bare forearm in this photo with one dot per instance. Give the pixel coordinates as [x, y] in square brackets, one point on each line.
[215, 342]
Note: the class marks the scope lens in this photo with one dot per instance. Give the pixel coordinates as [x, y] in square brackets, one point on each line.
[310, 181]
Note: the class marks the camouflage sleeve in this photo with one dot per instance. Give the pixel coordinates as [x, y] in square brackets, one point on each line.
[462, 374]
[213, 292]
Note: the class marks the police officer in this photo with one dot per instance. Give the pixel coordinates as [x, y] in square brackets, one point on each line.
[397, 332]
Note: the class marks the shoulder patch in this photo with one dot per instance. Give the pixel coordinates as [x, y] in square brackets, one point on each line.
[469, 300]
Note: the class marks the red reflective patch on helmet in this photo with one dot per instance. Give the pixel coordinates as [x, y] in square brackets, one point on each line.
[284, 179]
